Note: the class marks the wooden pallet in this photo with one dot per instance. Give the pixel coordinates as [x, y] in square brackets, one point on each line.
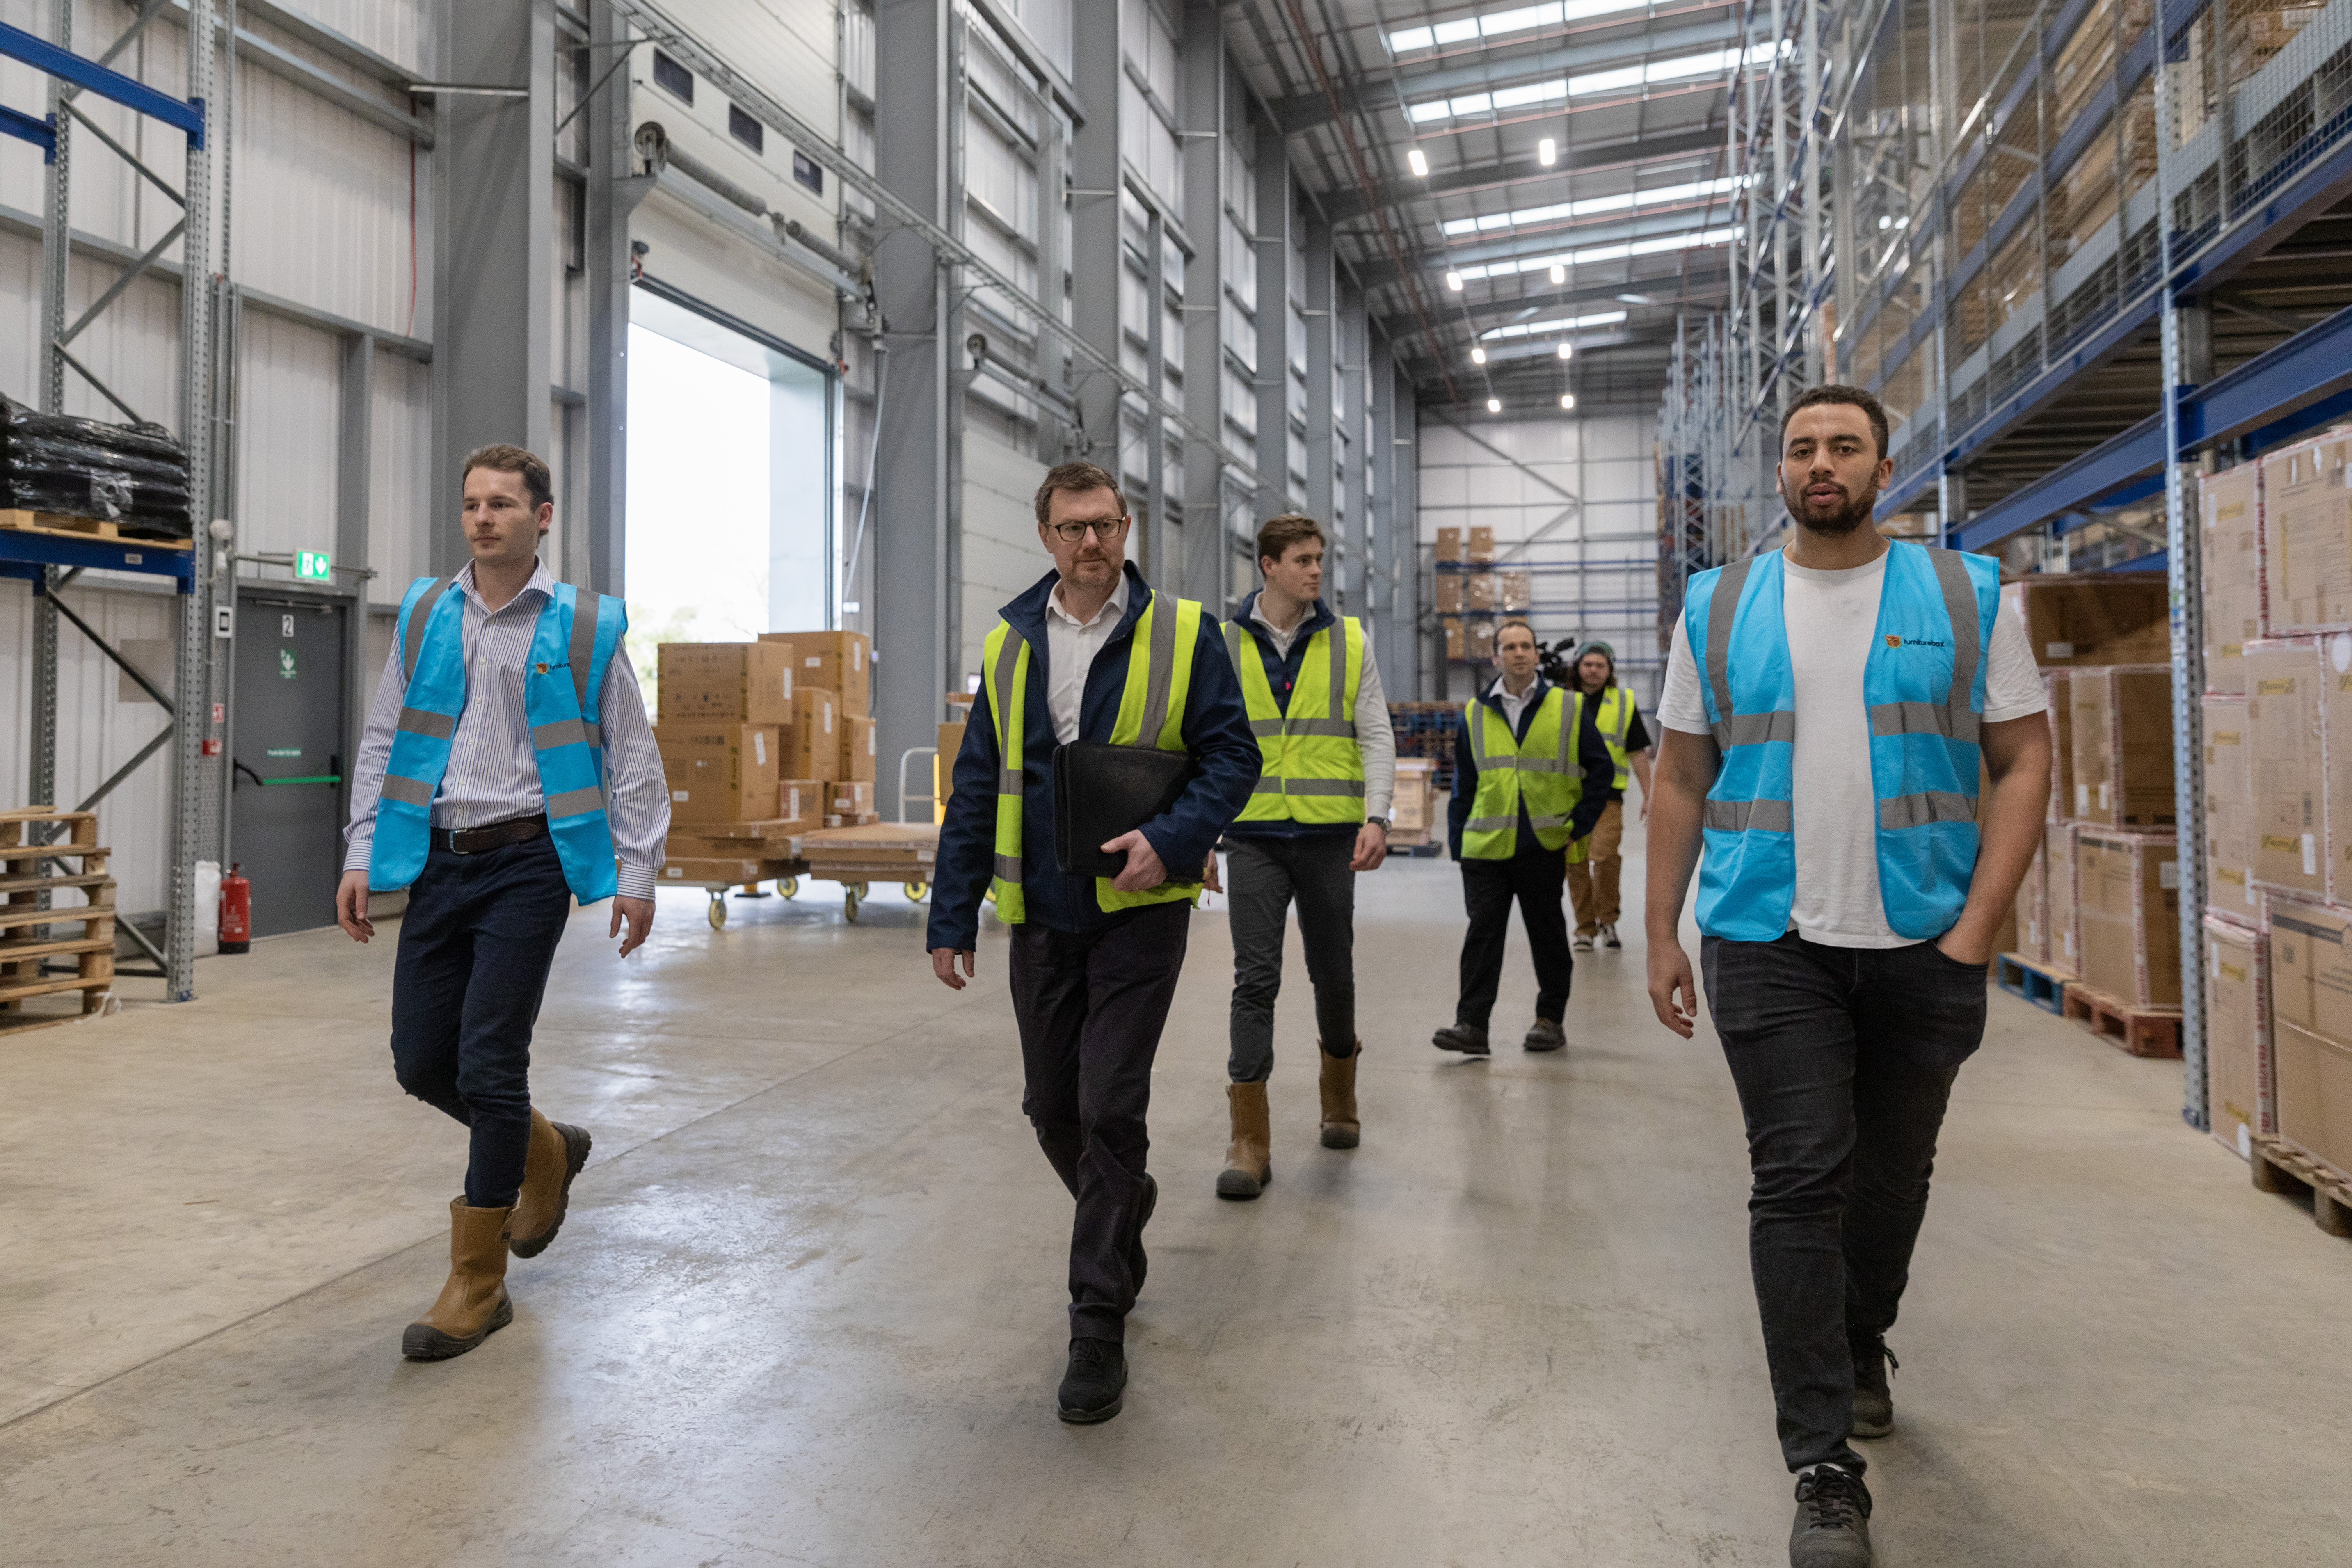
[55, 523]
[2127, 1025]
[30, 935]
[2033, 980]
[2280, 1167]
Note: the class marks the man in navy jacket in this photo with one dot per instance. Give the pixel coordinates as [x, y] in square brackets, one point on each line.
[1090, 988]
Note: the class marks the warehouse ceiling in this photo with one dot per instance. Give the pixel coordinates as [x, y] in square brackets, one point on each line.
[1602, 248]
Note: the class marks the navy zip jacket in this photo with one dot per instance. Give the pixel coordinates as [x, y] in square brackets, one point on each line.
[1599, 776]
[1216, 732]
[1281, 675]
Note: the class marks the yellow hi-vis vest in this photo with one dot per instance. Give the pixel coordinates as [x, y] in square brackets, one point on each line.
[1151, 713]
[1613, 717]
[1310, 768]
[1542, 770]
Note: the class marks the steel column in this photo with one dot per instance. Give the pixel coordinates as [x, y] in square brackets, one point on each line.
[613, 192]
[1276, 210]
[196, 791]
[917, 398]
[354, 470]
[1321, 292]
[1351, 336]
[1205, 83]
[1097, 249]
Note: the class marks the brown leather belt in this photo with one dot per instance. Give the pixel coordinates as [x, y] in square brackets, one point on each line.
[497, 836]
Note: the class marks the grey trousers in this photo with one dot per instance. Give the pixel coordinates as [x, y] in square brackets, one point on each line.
[1265, 876]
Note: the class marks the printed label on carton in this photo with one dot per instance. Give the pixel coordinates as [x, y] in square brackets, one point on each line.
[2058, 650]
[677, 794]
[2310, 855]
[760, 747]
[2168, 874]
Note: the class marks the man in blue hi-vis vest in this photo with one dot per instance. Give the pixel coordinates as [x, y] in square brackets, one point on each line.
[1826, 711]
[506, 770]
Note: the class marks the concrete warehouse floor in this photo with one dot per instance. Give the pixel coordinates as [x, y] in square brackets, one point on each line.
[809, 1304]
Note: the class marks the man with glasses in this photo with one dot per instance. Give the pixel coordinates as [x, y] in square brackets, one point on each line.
[1089, 652]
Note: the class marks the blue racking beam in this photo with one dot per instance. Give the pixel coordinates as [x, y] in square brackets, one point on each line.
[64, 64]
[2299, 386]
[24, 128]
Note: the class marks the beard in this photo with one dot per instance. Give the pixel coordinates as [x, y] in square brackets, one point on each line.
[1836, 522]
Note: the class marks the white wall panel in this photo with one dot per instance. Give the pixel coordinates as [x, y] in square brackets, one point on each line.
[288, 441]
[398, 29]
[1001, 553]
[401, 510]
[724, 269]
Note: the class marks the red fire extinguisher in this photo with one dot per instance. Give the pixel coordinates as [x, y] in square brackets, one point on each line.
[236, 912]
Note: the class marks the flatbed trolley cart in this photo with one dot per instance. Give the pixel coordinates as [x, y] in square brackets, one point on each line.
[858, 858]
[717, 874]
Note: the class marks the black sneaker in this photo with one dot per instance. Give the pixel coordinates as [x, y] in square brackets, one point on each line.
[1546, 1036]
[1467, 1038]
[1832, 1527]
[1609, 935]
[1136, 1263]
[1095, 1385]
[1873, 1401]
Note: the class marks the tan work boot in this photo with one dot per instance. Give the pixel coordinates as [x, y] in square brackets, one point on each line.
[473, 1304]
[558, 1149]
[1249, 1163]
[1340, 1127]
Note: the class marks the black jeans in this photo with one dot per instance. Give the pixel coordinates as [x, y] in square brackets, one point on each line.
[475, 949]
[1090, 1007]
[1538, 882]
[1266, 875]
[1844, 1060]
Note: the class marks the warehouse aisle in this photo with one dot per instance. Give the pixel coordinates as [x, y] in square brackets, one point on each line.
[807, 1308]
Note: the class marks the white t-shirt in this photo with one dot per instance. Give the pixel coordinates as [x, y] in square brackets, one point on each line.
[1830, 618]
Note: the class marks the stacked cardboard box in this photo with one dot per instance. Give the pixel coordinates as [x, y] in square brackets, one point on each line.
[1482, 590]
[2128, 909]
[1409, 815]
[2282, 720]
[2031, 912]
[2121, 732]
[1519, 588]
[2230, 891]
[2238, 1098]
[1481, 641]
[1457, 636]
[1449, 594]
[2306, 532]
[2230, 507]
[2062, 743]
[1482, 545]
[1449, 544]
[833, 742]
[2311, 1030]
[2060, 892]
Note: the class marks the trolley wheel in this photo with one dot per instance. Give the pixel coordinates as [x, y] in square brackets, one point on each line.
[918, 892]
[789, 886]
[863, 889]
[718, 910]
[850, 895]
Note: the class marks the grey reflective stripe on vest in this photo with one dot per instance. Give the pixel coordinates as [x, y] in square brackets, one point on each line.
[417, 617]
[1234, 634]
[1008, 868]
[1008, 781]
[1345, 728]
[1929, 807]
[1276, 784]
[1490, 823]
[1160, 670]
[583, 643]
[426, 722]
[1736, 729]
[407, 791]
[1625, 705]
[575, 802]
[1742, 815]
[566, 732]
[1263, 728]
[1477, 719]
[1953, 724]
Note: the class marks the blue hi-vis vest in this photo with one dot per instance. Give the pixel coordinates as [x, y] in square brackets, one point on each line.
[569, 652]
[1924, 686]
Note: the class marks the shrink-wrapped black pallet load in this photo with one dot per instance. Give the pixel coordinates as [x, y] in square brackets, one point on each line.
[134, 475]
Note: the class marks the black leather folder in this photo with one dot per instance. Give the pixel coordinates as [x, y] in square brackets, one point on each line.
[1103, 791]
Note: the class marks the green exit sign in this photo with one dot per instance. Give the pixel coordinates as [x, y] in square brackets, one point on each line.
[314, 565]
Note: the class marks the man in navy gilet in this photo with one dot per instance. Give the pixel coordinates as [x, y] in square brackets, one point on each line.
[507, 769]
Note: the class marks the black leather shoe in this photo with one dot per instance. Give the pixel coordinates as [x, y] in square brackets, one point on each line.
[1832, 1526]
[1467, 1038]
[1546, 1036]
[1095, 1385]
[1874, 1401]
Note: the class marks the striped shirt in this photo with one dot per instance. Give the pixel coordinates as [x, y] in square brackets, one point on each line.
[493, 773]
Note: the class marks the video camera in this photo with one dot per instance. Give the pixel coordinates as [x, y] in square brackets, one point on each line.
[1557, 662]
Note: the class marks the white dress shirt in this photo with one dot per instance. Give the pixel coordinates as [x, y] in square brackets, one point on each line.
[1071, 644]
[493, 773]
[1374, 736]
[1513, 706]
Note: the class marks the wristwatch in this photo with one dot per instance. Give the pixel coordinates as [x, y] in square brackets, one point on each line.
[1380, 822]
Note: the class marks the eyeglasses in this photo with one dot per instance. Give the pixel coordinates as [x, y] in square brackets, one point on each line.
[1110, 529]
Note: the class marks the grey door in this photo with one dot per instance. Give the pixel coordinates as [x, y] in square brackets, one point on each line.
[286, 815]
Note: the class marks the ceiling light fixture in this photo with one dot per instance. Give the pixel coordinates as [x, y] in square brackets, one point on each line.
[1454, 282]
[1547, 152]
[1494, 405]
[1567, 400]
[1649, 73]
[1624, 201]
[1566, 351]
[1418, 162]
[1477, 356]
[1694, 240]
[1553, 324]
[1497, 24]
[1558, 273]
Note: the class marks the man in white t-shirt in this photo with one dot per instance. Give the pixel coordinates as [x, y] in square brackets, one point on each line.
[1825, 709]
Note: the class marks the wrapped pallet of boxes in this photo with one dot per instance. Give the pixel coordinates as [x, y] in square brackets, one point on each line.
[2230, 891]
[1449, 544]
[2237, 1036]
[1449, 594]
[2307, 537]
[1457, 636]
[1517, 589]
[1482, 590]
[2127, 894]
[732, 682]
[2231, 573]
[719, 772]
[2061, 746]
[2085, 619]
[2062, 879]
[2311, 1030]
[1482, 545]
[2122, 724]
[2283, 731]
[1482, 641]
[1409, 822]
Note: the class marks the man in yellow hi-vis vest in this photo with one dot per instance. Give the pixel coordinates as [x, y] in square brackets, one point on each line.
[1610, 711]
[1529, 781]
[1090, 652]
[1318, 816]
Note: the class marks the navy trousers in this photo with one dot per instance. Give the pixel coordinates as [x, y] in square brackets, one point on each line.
[475, 949]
